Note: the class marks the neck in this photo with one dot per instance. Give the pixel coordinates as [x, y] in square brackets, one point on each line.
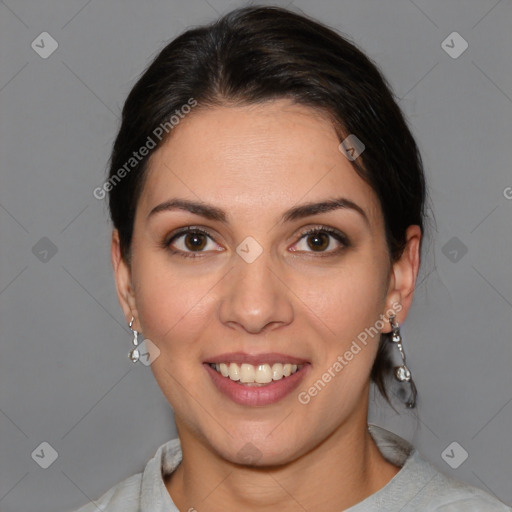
[343, 470]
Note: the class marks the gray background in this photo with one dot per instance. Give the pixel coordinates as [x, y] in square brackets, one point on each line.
[65, 378]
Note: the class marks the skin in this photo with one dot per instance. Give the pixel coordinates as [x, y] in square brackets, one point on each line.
[255, 162]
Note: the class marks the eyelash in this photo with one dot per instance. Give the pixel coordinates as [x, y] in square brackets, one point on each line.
[338, 235]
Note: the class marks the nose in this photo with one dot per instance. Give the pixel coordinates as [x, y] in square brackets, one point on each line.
[255, 297]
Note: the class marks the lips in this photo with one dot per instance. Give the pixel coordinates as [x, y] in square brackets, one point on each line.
[255, 359]
[256, 379]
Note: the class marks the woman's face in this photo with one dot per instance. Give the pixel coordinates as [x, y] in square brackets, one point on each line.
[252, 289]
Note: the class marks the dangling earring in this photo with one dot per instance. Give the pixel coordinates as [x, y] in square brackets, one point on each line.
[134, 353]
[402, 373]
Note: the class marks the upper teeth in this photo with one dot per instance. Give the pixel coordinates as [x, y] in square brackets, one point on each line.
[261, 373]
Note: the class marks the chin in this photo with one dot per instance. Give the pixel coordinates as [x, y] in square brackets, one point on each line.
[258, 450]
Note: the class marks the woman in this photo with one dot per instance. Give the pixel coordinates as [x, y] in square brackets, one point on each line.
[268, 201]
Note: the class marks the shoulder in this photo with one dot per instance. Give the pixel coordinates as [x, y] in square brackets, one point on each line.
[123, 497]
[420, 486]
[446, 494]
[146, 489]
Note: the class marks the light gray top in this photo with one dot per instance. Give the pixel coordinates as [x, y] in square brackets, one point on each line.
[417, 487]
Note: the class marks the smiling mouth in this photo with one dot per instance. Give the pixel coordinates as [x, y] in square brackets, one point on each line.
[256, 375]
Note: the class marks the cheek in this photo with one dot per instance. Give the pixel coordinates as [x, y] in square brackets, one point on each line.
[349, 299]
[171, 305]
[349, 305]
[172, 312]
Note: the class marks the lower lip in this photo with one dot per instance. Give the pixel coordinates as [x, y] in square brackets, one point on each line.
[256, 395]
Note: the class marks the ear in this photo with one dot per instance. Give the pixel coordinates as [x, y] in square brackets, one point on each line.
[403, 277]
[122, 274]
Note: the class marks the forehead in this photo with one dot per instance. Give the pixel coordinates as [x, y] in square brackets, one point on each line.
[251, 158]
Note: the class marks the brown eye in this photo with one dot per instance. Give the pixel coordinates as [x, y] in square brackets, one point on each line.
[318, 241]
[190, 242]
[195, 241]
[322, 240]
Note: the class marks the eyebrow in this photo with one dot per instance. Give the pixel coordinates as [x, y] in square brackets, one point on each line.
[297, 212]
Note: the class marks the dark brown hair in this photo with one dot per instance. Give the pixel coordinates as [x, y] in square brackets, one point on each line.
[256, 54]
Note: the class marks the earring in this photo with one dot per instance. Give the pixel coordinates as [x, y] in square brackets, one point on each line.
[402, 373]
[134, 353]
